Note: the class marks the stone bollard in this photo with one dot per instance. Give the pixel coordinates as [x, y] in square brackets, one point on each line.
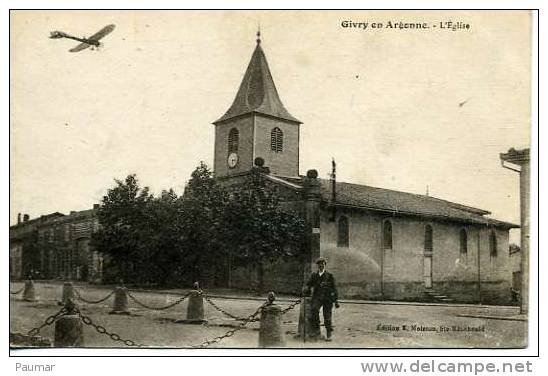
[69, 331]
[29, 294]
[270, 330]
[306, 330]
[195, 308]
[120, 306]
[68, 293]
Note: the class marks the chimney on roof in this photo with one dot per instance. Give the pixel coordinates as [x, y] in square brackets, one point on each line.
[19, 218]
[25, 218]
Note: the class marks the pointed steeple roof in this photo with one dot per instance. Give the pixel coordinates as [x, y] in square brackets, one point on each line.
[257, 91]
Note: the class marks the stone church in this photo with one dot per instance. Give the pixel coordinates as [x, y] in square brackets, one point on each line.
[379, 243]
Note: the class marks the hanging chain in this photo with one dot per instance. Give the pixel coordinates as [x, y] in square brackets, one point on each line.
[231, 332]
[80, 297]
[50, 320]
[228, 314]
[18, 291]
[128, 342]
[158, 308]
[291, 306]
[102, 330]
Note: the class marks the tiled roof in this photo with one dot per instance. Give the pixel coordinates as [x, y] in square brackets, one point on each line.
[257, 93]
[38, 220]
[402, 203]
[397, 202]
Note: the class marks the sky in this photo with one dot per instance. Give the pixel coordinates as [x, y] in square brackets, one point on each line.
[384, 103]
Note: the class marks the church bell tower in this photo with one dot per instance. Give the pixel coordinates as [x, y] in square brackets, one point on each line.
[257, 125]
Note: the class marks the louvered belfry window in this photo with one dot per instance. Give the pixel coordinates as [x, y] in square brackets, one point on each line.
[233, 139]
[276, 140]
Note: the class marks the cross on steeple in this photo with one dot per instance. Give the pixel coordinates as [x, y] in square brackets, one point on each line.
[259, 34]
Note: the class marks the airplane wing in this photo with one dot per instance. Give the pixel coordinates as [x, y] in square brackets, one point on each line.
[101, 33]
[80, 47]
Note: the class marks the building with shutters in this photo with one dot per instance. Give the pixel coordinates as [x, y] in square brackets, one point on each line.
[379, 243]
[55, 246]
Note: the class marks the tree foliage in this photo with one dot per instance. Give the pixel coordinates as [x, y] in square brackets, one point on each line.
[123, 217]
[203, 204]
[170, 239]
[258, 230]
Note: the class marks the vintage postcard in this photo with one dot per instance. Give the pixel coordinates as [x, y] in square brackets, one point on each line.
[269, 179]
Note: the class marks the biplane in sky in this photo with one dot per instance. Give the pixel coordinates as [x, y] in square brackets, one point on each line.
[92, 41]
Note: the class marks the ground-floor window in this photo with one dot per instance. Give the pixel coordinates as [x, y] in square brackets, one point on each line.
[493, 243]
[463, 241]
[428, 242]
[343, 233]
[387, 235]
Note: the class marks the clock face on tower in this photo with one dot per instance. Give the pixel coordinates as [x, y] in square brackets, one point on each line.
[232, 160]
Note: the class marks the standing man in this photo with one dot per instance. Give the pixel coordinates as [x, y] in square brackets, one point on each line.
[324, 294]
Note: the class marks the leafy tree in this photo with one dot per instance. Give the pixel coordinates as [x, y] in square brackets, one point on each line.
[257, 229]
[170, 239]
[163, 228]
[123, 217]
[202, 209]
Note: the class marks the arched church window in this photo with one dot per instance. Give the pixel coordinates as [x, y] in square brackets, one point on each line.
[343, 233]
[493, 243]
[463, 241]
[233, 140]
[387, 235]
[276, 140]
[428, 243]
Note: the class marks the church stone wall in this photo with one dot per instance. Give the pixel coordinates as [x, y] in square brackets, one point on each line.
[245, 147]
[285, 163]
[360, 268]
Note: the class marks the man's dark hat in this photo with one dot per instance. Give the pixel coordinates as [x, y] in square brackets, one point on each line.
[321, 260]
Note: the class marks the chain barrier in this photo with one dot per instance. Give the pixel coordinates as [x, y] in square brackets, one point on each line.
[291, 306]
[50, 320]
[80, 297]
[231, 332]
[102, 330]
[128, 342]
[158, 308]
[228, 314]
[18, 291]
